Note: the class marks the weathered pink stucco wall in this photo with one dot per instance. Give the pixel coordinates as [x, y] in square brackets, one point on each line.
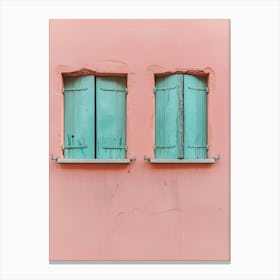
[141, 211]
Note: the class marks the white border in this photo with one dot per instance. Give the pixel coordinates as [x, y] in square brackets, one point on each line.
[254, 131]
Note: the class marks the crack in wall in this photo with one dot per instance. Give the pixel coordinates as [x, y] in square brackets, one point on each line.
[131, 211]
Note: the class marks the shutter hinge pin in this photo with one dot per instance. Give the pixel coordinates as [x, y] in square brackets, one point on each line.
[132, 159]
[53, 158]
[217, 158]
[147, 158]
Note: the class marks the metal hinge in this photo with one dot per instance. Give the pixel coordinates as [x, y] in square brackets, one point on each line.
[74, 147]
[199, 89]
[115, 148]
[73, 89]
[199, 146]
[163, 89]
[117, 90]
[160, 147]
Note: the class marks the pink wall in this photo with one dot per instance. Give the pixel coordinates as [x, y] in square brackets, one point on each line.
[141, 211]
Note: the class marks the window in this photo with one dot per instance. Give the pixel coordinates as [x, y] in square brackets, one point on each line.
[181, 118]
[94, 118]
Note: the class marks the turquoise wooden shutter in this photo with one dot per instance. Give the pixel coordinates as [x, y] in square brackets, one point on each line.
[169, 117]
[195, 120]
[79, 117]
[111, 117]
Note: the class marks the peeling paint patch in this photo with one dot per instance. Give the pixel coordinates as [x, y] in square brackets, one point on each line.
[98, 72]
[190, 71]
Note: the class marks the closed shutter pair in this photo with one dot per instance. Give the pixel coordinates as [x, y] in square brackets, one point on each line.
[94, 117]
[181, 117]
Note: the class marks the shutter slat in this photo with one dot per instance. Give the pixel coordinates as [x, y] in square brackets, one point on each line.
[79, 140]
[168, 119]
[195, 121]
[111, 117]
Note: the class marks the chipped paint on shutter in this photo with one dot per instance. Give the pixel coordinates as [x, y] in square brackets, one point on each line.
[111, 117]
[79, 117]
[195, 120]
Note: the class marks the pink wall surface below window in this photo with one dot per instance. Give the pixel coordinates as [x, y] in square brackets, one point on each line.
[141, 211]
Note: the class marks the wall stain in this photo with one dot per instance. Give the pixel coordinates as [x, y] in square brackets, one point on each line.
[115, 191]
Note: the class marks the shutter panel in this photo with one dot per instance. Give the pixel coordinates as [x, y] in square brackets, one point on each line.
[111, 117]
[79, 117]
[195, 120]
[169, 117]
